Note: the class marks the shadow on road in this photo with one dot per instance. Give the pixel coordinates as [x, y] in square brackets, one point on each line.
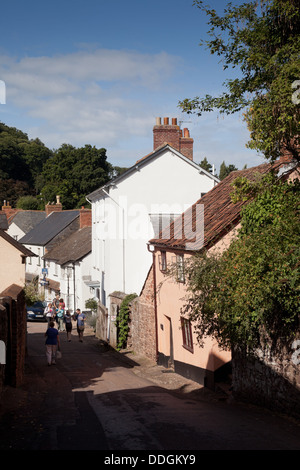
[95, 398]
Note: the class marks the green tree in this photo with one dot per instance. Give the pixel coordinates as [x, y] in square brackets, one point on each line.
[205, 165]
[73, 173]
[225, 170]
[123, 319]
[21, 159]
[11, 190]
[35, 155]
[28, 203]
[262, 40]
[249, 296]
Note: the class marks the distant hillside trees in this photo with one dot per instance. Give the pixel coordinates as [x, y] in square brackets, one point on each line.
[73, 173]
[29, 168]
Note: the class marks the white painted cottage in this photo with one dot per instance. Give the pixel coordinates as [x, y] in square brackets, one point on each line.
[68, 266]
[131, 208]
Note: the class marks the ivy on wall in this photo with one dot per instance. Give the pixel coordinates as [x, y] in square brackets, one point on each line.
[249, 296]
[122, 320]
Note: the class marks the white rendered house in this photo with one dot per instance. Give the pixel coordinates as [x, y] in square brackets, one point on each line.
[69, 265]
[24, 221]
[131, 208]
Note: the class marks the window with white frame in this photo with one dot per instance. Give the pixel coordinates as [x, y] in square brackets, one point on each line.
[187, 336]
[180, 268]
[162, 261]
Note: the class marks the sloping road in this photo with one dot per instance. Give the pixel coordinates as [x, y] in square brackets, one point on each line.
[94, 399]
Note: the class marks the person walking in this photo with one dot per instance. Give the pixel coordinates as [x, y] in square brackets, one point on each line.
[56, 301]
[52, 342]
[49, 313]
[60, 319]
[68, 323]
[80, 318]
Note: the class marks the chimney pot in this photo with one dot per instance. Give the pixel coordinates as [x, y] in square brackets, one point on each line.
[173, 136]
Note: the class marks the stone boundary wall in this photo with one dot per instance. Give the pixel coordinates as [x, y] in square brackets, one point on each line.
[4, 338]
[13, 327]
[101, 322]
[271, 382]
[142, 336]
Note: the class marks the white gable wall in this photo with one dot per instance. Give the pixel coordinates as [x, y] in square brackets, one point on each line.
[164, 184]
[15, 232]
[34, 265]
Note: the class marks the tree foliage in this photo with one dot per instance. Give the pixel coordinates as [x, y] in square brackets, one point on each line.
[29, 168]
[249, 296]
[206, 165]
[73, 173]
[28, 203]
[225, 170]
[262, 40]
[123, 320]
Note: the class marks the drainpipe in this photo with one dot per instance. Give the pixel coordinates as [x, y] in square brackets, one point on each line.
[74, 284]
[155, 299]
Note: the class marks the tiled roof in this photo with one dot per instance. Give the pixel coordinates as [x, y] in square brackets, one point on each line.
[73, 248]
[47, 229]
[219, 215]
[3, 222]
[26, 220]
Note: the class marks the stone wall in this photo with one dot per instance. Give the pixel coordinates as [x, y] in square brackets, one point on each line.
[4, 338]
[142, 325]
[101, 322]
[142, 337]
[13, 320]
[116, 299]
[271, 382]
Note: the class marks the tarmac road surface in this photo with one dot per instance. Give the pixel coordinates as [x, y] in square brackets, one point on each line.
[95, 398]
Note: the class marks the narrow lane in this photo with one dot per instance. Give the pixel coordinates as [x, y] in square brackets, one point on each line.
[94, 399]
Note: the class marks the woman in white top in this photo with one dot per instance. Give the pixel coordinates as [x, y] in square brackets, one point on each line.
[49, 313]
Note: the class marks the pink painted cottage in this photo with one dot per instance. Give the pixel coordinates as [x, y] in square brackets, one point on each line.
[210, 224]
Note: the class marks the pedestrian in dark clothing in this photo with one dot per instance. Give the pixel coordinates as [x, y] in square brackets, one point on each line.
[80, 318]
[52, 342]
[68, 323]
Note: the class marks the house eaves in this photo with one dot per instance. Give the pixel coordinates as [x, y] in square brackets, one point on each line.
[22, 249]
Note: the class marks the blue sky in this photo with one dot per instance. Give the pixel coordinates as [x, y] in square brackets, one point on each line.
[98, 72]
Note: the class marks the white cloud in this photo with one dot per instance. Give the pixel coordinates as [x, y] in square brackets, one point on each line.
[87, 97]
[110, 98]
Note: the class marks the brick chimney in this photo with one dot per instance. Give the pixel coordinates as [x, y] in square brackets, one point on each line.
[85, 217]
[9, 211]
[53, 207]
[171, 134]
